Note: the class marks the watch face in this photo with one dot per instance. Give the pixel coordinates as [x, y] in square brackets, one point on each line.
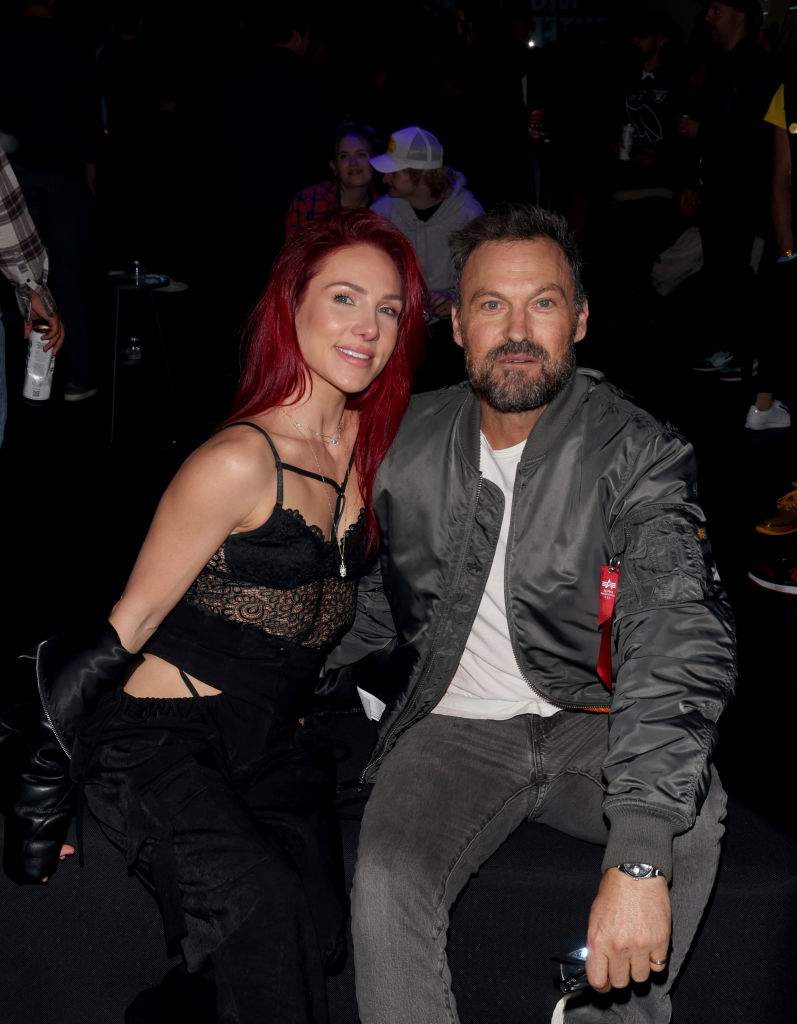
[639, 870]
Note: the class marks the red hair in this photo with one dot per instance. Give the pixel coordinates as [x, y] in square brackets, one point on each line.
[274, 369]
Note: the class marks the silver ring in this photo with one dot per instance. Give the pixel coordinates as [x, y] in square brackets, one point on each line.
[658, 963]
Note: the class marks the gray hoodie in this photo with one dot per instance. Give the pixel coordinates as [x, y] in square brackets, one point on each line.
[430, 238]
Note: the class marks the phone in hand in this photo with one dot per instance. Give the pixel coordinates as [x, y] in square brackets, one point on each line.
[572, 970]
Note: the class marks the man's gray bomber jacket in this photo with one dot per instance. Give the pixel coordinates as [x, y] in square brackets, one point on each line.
[599, 479]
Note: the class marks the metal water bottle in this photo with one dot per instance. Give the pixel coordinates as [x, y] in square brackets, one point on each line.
[39, 365]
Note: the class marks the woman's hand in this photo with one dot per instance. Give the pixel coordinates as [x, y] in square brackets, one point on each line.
[66, 851]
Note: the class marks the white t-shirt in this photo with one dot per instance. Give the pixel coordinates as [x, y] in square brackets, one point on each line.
[488, 682]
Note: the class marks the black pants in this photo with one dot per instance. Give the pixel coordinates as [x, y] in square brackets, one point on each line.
[776, 343]
[727, 233]
[229, 814]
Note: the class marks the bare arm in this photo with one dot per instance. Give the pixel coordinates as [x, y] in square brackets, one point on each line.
[228, 483]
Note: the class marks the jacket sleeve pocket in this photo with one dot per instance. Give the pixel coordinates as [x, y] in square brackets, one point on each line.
[666, 560]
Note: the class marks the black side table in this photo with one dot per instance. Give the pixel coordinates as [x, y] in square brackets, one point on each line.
[125, 282]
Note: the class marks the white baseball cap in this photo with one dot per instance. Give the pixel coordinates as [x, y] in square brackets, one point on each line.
[410, 147]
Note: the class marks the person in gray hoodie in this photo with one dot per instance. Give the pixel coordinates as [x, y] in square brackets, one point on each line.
[427, 201]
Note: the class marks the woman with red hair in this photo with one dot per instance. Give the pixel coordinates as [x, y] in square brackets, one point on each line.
[202, 766]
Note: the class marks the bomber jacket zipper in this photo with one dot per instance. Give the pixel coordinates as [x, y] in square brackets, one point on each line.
[601, 708]
[523, 674]
[430, 659]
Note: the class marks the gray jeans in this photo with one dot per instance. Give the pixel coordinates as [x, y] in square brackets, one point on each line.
[446, 797]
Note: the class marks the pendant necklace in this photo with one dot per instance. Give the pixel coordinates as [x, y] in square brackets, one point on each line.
[326, 438]
[341, 544]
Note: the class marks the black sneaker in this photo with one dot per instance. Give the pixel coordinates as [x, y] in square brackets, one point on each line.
[780, 576]
[78, 393]
[718, 362]
[734, 371]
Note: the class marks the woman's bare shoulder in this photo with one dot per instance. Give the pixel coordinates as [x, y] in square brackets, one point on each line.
[238, 450]
[234, 468]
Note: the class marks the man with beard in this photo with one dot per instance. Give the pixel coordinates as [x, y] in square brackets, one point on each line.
[519, 512]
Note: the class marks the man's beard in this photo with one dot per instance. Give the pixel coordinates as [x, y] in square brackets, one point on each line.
[508, 390]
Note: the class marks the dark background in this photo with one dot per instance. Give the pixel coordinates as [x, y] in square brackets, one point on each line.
[75, 501]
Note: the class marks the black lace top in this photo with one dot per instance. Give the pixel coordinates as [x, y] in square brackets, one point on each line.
[279, 583]
[284, 578]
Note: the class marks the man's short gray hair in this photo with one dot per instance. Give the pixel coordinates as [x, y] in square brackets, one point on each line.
[516, 223]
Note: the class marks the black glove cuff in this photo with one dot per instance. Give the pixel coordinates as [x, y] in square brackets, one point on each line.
[74, 670]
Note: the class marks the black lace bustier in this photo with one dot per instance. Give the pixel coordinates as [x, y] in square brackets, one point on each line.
[276, 585]
[283, 579]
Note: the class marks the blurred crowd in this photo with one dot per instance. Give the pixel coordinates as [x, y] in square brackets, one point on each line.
[192, 140]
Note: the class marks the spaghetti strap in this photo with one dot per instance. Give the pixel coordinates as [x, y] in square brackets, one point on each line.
[192, 689]
[277, 460]
[339, 488]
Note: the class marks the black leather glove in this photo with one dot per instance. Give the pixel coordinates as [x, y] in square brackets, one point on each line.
[65, 681]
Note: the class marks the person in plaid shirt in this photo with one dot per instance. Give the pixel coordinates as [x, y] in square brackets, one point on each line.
[352, 187]
[23, 261]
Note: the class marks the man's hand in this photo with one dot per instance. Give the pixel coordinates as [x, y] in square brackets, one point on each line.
[688, 202]
[629, 929]
[56, 332]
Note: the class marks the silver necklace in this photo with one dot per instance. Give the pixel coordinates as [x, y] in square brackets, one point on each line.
[326, 438]
[341, 544]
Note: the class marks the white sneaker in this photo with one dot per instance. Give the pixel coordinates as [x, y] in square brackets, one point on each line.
[777, 417]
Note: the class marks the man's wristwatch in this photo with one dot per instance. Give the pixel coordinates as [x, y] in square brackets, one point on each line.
[637, 871]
